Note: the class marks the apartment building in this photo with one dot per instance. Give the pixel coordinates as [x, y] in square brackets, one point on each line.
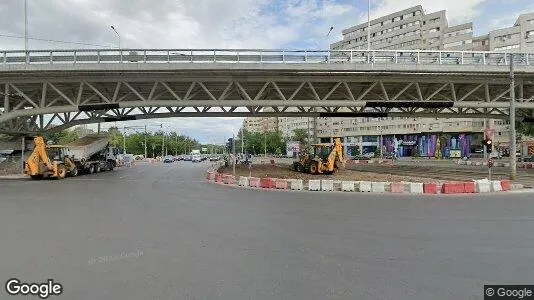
[413, 28]
[252, 124]
[260, 124]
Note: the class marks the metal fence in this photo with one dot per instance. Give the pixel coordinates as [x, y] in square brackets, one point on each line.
[135, 56]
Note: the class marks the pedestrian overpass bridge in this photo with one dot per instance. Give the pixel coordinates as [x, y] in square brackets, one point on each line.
[54, 89]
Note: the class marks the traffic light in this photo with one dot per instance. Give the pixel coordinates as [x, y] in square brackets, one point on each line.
[487, 143]
[229, 145]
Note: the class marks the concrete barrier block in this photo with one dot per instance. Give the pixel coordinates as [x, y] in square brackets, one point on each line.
[327, 185]
[296, 184]
[347, 186]
[470, 187]
[229, 179]
[243, 181]
[516, 186]
[211, 175]
[413, 187]
[314, 185]
[495, 186]
[378, 187]
[506, 165]
[482, 186]
[453, 187]
[447, 188]
[254, 182]
[364, 186]
[505, 185]
[478, 163]
[267, 183]
[396, 187]
[281, 184]
[430, 188]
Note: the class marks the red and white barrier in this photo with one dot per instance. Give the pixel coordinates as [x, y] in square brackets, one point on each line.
[450, 187]
[281, 184]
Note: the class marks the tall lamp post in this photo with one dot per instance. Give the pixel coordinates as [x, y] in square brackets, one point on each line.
[369, 25]
[118, 35]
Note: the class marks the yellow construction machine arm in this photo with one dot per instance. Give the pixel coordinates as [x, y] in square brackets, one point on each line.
[38, 155]
[337, 151]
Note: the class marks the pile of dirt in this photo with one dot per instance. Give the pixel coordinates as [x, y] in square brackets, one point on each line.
[10, 167]
[286, 172]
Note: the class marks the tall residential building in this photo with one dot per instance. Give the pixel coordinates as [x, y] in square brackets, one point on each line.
[252, 124]
[260, 124]
[288, 124]
[412, 29]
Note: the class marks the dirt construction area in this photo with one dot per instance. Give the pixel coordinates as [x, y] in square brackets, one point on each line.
[284, 171]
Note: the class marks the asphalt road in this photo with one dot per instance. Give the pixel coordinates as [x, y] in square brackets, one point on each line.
[162, 232]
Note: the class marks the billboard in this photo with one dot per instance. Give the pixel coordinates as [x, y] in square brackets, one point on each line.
[292, 148]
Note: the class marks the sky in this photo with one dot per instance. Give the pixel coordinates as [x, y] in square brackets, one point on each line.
[288, 24]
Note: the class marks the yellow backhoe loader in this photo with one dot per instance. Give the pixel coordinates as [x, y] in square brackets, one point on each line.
[326, 159]
[39, 165]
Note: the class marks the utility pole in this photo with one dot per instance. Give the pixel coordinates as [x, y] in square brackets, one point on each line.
[233, 152]
[124, 140]
[265, 142]
[26, 29]
[145, 142]
[242, 142]
[513, 159]
[163, 144]
[368, 29]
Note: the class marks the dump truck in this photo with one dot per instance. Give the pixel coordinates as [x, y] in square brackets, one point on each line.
[92, 154]
[326, 159]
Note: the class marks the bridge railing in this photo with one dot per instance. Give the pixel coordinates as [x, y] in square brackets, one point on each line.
[135, 56]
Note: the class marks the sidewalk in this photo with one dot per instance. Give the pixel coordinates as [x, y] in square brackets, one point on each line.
[13, 177]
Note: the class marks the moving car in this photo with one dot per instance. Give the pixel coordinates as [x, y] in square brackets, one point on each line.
[168, 159]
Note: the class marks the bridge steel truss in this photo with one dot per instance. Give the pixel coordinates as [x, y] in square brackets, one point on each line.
[48, 97]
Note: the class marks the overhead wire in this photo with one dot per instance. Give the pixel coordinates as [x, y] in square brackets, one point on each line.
[54, 41]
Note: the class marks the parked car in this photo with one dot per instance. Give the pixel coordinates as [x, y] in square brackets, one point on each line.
[168, 159]
[196, 158]
[214, 158]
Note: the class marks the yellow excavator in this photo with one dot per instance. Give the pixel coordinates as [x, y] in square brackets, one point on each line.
[39, 165]
[326, 159]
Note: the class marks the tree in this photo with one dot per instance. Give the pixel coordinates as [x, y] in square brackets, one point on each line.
[526, 128]
[114, 136]
[61, 137]
[300, 135]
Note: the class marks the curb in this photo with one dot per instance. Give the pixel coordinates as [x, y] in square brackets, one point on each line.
[414, 188]
[13, 177]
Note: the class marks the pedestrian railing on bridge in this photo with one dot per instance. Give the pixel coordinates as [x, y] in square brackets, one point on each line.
[135, 56]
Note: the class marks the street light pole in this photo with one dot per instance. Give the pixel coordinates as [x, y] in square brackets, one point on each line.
[118, 35]
[26, 26]
[369, 26]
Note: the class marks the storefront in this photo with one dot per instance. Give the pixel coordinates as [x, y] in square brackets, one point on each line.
[440, 145]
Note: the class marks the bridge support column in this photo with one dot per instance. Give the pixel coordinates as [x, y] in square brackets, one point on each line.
[513, 158]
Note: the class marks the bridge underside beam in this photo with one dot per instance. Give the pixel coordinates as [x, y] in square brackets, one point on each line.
[56, 103]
